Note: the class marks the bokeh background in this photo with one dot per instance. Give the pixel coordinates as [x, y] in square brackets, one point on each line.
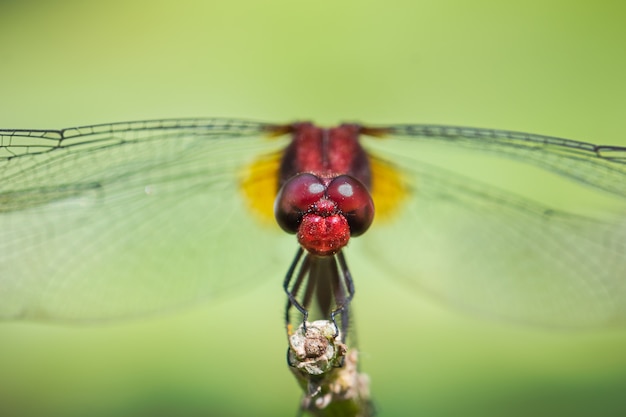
[548, 67]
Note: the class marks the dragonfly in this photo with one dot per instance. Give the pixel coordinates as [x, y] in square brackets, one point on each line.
[120, 220]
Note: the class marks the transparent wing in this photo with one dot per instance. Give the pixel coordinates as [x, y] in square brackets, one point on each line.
[115, 220]
[517, 226]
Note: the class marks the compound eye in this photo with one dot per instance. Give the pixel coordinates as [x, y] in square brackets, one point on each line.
[354, 201]
[295, 198]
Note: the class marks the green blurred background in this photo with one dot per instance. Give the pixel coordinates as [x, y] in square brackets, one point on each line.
[547, 67]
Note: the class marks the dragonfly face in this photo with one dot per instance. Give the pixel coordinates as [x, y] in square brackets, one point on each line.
[324, 212]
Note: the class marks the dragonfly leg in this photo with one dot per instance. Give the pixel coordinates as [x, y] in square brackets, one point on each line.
[293, 290]
[343, 302]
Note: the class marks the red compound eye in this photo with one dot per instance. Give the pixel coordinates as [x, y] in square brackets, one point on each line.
[295, 198]
[353, 201]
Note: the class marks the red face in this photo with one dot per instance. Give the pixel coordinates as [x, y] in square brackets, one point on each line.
[324, 212]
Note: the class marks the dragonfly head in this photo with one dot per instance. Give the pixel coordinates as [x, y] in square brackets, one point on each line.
[324, 212]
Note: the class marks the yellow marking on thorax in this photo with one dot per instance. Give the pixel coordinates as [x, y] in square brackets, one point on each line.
[389, 189]
[259, 185]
